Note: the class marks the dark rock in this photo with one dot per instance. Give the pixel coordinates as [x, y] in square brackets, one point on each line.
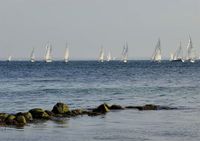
[101, 109]
[3, 116]
[60, 108]
[93, 113]
[28, 116]
[39, 114]
[21, 120]
[10, 120]
[50, 113]
[116, 107]
[133, 107]
[76, 112]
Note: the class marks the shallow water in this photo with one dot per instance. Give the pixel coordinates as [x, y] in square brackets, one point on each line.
[86, 84]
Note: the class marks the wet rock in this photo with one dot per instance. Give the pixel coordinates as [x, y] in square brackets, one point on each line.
[50, 113]
[3, 116]
[28, 116]
[116, 107]
[132, 107]
[93, 113]
[39, 113]
[21, 120]
[103, 108]
[60, 108]
[10, 120]
[76, 112]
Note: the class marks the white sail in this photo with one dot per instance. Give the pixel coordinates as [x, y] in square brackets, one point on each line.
[9, 58]
[109, 57]
[190, 51]
[171, 57]
[48, 57]
[32, 56]
[66, 56]
[125, 52]
[101, 56]
[157, 53]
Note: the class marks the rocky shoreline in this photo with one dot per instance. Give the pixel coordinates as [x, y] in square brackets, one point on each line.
[62, 110]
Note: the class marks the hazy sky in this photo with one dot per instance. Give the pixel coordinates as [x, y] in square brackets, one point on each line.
[86, 24]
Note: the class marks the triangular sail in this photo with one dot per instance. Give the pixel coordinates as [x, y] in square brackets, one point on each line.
[190, 50]
[32, 55]
[48, 57]
[157, 53]
[101, 55]
[66, 56]
[125, 52]
[109, 56]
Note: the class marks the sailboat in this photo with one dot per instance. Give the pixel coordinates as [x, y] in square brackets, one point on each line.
[156, 57]
[101, 55]
[48, 56]
[32, 56]
[178, 55]
[125, 53]
[171, 57]
[190, 52]
[109, 57]
[9, 58]
[66, 57]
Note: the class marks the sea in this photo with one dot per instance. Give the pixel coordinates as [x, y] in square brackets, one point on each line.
[87, 84]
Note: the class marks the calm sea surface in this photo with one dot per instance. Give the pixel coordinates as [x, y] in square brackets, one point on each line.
[25, 85]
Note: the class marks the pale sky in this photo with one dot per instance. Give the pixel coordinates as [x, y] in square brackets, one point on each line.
[88, 24]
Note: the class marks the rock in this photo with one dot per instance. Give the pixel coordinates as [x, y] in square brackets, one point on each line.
[21, 120]
[50, 113]
[28, 116]
[101, 109]
[76, 112]
[60, 108]
[93, 114]
[3, 116]
[132, 107]
[116, 107]
[10, 120]
[39, 113]
[148, 107]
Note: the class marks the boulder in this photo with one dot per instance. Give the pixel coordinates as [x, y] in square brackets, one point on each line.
[39, 113]
[116, 107]
[60, 108]
[3, 116]
[148, 107]
[28, 116]
[10, 120]
[50, 113]
[101, 109]
[21, 120]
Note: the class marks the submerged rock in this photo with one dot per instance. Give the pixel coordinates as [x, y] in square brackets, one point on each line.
[39, 113]
[60, 108]
[103, 108]
[116, 107]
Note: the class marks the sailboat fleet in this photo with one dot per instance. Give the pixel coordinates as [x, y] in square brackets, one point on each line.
[177, 56]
